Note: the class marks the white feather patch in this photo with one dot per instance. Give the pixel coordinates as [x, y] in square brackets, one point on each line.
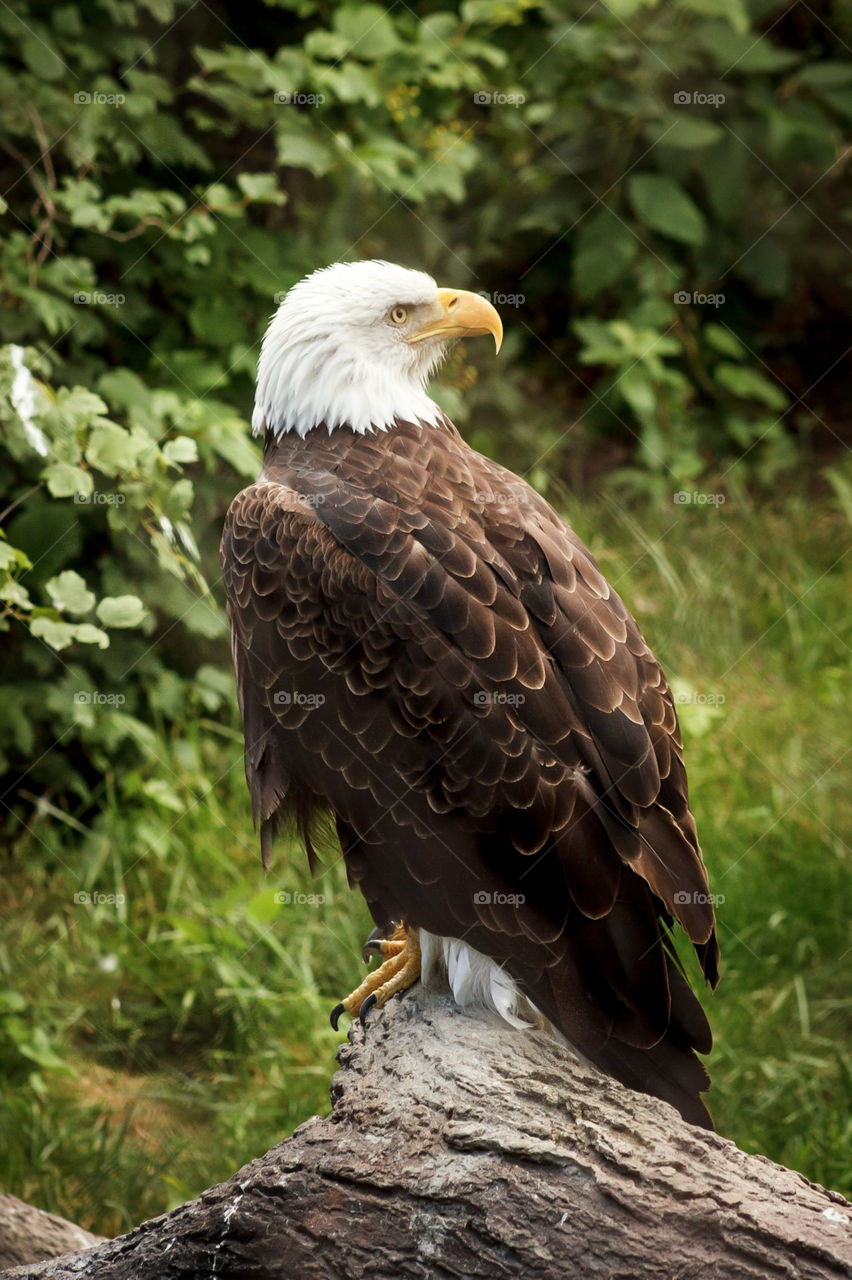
[330, 355]
[476, 981]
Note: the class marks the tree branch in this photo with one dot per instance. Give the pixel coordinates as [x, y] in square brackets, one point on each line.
[458, 1146]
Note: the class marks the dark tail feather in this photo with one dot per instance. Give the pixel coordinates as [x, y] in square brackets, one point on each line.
[618, 994]
[669, 1071]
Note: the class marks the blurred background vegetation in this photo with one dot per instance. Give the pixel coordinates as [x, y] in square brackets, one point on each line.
[656, 195]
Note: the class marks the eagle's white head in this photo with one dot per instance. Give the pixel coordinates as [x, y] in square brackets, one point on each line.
[353, 345]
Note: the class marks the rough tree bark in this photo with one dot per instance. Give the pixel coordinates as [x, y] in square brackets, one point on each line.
[458, 1147]
[28, 1234]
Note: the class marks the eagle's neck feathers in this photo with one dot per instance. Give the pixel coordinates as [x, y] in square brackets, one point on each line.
[326, 387]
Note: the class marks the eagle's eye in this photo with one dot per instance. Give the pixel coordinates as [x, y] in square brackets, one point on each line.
[399, 315]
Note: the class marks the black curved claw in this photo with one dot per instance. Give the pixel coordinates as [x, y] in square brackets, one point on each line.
[370, 948]
[335, 1015]
[366, 1007]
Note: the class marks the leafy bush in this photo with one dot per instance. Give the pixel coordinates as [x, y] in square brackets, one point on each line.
[170, 169]
[111, 628]
[166, 181]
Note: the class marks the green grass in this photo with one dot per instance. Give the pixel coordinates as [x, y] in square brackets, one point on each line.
[157, 1044]
[160, 1042]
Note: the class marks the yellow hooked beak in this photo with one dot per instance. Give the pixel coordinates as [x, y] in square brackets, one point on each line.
[464, 315]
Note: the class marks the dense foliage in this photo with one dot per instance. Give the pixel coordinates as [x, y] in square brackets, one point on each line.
[171, 167]
[656, 197]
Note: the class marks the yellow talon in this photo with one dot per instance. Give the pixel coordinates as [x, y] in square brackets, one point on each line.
[398, 972]
[388, 948]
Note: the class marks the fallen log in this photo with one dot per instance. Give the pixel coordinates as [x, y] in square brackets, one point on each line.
[28, 1234]
[459, 1147]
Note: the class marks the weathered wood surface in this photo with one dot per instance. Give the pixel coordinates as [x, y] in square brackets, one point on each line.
[28, 1234]
[458, 1147]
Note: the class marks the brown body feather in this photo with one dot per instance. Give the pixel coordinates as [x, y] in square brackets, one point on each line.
[422, 645]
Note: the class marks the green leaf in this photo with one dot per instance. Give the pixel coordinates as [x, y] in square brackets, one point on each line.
[688, 133]
[59, 635]
[367, 30]
[38, 1049]
[638, 390]
[121, 611]
[723, 341]
[664, 206]
[181, 449]
[179, 498]
[64, 481]
[69, 593]
[261, 187]
[727, 48]
[298, 152]
[232, 442]
[351, 82]
[110, 450]
[604, 250]
[79, 407]
[41, 58]
[213, 686]
[825, 75]
[16, 595]
[749, 384]
[87, 634]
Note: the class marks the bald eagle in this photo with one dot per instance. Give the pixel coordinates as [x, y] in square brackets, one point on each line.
[425, 649]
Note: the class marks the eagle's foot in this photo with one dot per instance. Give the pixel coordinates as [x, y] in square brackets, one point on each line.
[399, 970]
